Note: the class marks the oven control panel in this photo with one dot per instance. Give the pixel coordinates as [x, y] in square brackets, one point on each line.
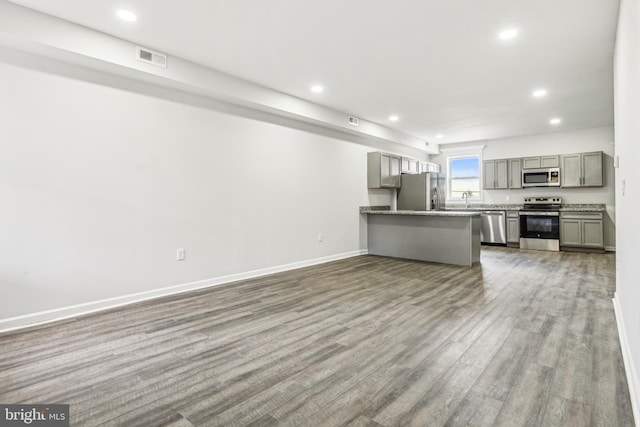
[543, 200]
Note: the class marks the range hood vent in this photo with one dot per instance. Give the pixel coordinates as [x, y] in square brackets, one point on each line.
[150, 57]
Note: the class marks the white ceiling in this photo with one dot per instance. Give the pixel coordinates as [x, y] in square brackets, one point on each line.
[437, 64]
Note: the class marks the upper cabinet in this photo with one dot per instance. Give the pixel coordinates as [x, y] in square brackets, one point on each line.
[515, 173]
[531, 163]
[582, 170]
[383, 170]
[541, 162]
[495, 174]
[502, 174]
[549, 161]
[592, 170]
[576, 170]
[429, 167]
[410, 165]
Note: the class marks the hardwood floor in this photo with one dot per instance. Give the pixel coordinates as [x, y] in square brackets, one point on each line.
[525, 339]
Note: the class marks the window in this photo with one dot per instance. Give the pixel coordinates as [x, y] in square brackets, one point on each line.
[463, 173]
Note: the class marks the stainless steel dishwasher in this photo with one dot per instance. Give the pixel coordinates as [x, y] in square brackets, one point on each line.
[492, 229]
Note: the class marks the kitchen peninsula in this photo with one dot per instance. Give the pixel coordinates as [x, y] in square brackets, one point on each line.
[448, 237]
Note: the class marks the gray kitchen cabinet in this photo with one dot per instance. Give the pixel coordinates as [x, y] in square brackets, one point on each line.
[582, 170]
[592, 233]
[429, 167]
[495, 174]
[541, 162]
[549, 161]
[434, 167]
[515, 173]
[570, 234]
[383, 170]
[531, 163]
[513, 227]
[581, 229]
[570, 174]
[488, 174]
[410, 165]
[502, 175]
[592, 173]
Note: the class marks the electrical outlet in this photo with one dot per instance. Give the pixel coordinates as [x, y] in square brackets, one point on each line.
[180, 254]
[319, 237]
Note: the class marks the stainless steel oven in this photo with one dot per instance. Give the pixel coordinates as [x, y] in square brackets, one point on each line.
[540, 224]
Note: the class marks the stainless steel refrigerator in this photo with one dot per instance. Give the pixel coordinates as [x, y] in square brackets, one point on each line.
[422, 192]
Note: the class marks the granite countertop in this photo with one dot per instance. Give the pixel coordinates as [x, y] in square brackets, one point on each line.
[385, 210]
[583, 207]
[568, 207]
[487, 207]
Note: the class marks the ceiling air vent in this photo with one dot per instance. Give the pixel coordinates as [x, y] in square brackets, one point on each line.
[150, 57]
[353, 121]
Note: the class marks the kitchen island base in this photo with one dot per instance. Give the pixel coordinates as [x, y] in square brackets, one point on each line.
[446, 239]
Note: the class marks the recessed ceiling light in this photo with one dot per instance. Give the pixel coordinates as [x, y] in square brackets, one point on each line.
[126, 15]
[393, 118]
[317, 89]
[439, 136]
[555, 121]
[539, 93]
[508, 34]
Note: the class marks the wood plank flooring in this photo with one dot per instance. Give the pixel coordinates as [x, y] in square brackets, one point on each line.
[526, 338]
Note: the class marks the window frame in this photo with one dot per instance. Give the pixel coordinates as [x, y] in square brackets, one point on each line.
[470, 152]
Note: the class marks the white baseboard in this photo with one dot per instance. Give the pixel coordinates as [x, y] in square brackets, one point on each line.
[33, 319]
[630, 368]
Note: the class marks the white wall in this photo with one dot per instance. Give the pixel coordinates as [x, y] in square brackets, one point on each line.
[627, 129]
[595, 139]
[100, 186]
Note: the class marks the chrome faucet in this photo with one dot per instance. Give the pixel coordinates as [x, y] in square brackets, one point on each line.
[465, 196]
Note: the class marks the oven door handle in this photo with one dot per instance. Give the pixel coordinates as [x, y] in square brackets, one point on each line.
[540, 213]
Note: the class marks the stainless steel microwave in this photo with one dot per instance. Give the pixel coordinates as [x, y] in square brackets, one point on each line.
[545, 177]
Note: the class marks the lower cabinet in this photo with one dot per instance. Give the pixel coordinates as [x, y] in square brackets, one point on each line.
[513, 227]
[581, 230]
